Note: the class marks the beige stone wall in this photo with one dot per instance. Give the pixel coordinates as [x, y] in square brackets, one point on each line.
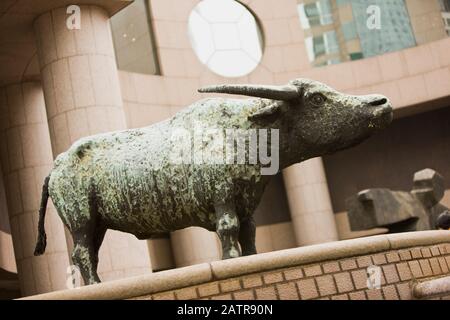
[446, 200]
[161, 255]
[336, 271]
[79, 76]
[195, 245]
[277, 236]
[7, 261]
[426, 20]
[26, 159]
[310, 203]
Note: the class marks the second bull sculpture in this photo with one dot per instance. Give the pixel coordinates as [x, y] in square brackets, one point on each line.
[126, 180]
[399, 211]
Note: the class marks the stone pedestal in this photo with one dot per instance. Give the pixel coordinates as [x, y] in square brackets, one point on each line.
[309, 203]
[26, 159]
[82, 95]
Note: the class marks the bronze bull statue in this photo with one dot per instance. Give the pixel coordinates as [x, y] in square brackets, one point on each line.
[128, 181]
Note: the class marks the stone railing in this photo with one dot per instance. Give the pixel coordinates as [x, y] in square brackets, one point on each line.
[335, 270]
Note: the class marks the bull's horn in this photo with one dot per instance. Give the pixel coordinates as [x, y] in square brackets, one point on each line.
[287, 92]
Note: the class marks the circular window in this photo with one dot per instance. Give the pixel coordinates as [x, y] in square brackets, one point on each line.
[225, 37]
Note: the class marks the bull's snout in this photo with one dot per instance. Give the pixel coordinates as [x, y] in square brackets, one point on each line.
[380, 108]
[378, 101]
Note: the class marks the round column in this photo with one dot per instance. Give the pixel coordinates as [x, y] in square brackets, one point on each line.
[7, 260]
[310, 203]
[82, 95]
[195, 245]
[26, 159]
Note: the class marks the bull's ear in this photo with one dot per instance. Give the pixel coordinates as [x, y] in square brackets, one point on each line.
[287, 92]
[266, 112]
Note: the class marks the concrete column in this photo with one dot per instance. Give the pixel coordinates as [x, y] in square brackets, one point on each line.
[7, 260]
[26, 159]
[82, 95]
[195, 245]
[309, 203]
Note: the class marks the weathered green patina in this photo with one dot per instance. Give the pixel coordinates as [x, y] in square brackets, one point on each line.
[128, 181]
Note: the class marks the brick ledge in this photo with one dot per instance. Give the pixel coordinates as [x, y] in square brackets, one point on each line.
[218, 270]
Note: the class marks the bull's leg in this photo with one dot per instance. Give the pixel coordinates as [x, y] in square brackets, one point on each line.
[247, 232]
[227, 228]
[85, 257]
[87, 238]
[98, 239]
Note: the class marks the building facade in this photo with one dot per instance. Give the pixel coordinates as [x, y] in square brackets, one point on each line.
[70, 69]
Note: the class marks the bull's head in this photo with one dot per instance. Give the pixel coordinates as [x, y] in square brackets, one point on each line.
[315, 119]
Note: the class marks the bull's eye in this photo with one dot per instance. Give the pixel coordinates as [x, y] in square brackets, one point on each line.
[318, 99]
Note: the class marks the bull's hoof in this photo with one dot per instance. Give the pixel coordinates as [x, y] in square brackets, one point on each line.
[232, 253]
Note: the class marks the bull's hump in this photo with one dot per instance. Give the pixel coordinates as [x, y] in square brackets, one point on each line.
[217, 112]
[108, 145]
[211, 112]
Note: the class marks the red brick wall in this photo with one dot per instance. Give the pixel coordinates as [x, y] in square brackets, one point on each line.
[338, 280]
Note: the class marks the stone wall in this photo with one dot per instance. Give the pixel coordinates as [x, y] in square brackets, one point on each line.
[336, 270]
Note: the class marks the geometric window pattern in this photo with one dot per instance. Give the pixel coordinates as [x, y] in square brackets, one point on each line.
[226, 37]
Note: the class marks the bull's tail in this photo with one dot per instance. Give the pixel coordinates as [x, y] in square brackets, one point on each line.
[42, 237]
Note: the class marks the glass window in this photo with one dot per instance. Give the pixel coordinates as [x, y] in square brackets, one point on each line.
[133, 39]
[349, 30]
[331, 42]
[356, 55]
[312, 14]
[323, 44]
[319, 46]
[396, 33]
[348, 36]
[326, 16]
[446, 16]
[226, 37]
[315, 47]
[315, 14]
[445, 5]
[342, 2]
